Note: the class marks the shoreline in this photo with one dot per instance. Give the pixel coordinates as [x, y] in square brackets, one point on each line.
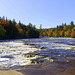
[41, 69]
[10, 72]
[48, 68]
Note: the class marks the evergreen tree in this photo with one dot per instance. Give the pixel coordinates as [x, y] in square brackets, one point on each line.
[72, 23]
[2, 32]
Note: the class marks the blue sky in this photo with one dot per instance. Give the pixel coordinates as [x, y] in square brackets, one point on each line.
[49, 13]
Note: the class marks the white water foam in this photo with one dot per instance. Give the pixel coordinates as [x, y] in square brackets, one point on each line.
[11, 54]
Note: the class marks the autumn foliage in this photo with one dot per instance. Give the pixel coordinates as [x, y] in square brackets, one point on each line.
[11, 30]
[59, 31]
[73, 33]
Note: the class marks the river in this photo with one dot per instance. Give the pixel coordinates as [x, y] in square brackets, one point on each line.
[21, 52]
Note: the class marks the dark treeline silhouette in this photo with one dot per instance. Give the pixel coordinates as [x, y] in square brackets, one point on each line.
[12, 30]
[59, 31]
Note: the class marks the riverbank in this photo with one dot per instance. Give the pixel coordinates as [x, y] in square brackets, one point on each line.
[10, 72]
[42, 69]
[48, 68]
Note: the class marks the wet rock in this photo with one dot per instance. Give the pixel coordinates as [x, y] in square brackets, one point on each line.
[36, 53]
[29, 55]
[36, 46]
[65, 55]
[55, 58]
[32, 44]
[43, 47]
[37, 60]
[44, 55]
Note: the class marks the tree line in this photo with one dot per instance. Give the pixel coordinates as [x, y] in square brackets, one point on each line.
[59, 31]
[12, 30]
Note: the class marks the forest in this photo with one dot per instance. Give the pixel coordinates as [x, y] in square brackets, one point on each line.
[11, 30]
[59, 31]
